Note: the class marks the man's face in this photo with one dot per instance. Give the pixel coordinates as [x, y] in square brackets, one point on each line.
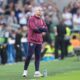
[38, 12]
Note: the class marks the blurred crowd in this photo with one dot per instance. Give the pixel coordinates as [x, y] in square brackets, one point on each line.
[13, 26]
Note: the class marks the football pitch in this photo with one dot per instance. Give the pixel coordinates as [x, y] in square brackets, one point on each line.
[67, 69]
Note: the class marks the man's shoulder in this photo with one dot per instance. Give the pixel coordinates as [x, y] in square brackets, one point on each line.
[31, 18]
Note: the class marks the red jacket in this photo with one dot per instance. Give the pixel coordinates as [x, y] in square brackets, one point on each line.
[35, 23]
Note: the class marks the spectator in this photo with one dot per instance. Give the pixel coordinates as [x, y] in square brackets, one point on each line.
[12, 20]
[10, 47]
[22, 18]
[11, 6]
[55, 16]
[18, 45]
[67, 17]
[1, 19]
[28, 11]
[3, 43]
[76, 21]
[60, 32]
[47, 49]
[1, 3]
[24, 42]
[75, 42]
[17, 11]
[75, 7]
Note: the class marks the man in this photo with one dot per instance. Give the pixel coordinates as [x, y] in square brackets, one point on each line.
[18, 45]
[37, 27]
[60, 32]
[3, 42]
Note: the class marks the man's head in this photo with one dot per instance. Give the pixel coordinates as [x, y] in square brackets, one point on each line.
[37, 11]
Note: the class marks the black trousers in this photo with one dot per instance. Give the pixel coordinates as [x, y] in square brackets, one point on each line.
[67, 43]
[59, 44]
[18, 53]
[33, 48]
[3, 55]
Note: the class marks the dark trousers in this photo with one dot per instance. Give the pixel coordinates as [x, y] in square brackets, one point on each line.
[33, 48]
[59, 44]
[18, 53]
[3, 55]
[67, 43]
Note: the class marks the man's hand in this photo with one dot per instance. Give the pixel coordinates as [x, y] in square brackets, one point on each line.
[42, 29]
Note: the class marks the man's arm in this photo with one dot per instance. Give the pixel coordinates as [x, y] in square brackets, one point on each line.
[43, 28]
[33, 26]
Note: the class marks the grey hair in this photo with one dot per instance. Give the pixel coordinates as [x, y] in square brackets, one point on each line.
[36, 8]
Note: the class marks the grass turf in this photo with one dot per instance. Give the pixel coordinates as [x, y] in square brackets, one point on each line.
[68, 69]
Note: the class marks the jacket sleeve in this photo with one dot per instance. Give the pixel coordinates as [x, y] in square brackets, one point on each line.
[33, 26]
[44, 28]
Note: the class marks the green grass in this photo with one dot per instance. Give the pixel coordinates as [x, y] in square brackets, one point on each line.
[68, 69]
[72, 75]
